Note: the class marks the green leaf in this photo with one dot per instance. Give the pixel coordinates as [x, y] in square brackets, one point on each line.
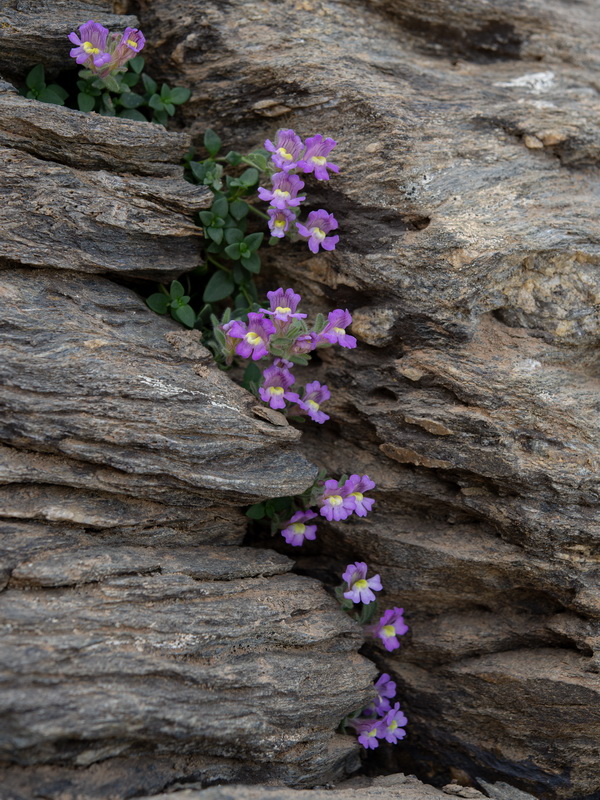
[233, 252]
[258, 160]
[62, 93]
[249, 177]
[131, 100]
[212, 142]
[220, 207]
[257, 511]
[216, 234]
[251, 263]
[239, 209]
[36, 78]
[219, 287]
[130, 79]
[239, 274]
[112, 83]
[254, 241]
[206, 217]
[233, 235]
[198, 170]
[149, 85]
[233, 158]
[165, 92]
[169, 108]
[252, 374]
[176, 289]
[137, 64]
[85, 102]
[158, 302]
[132, 113]
[155, 102]
[160, 117]
[48, 96]
[180, 95]
[186, 315]
[319, 323]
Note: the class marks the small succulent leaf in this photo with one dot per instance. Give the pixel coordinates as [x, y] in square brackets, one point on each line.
[212, 142]
[186, 315]
[219, 287]
[137, 64]
[180, 95]
[36, 78]
[85, 102]
[176, 289]
[233, 235]
[158, 302]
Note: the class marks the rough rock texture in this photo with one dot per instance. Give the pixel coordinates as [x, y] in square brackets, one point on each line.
[388, 787]
[468, 205]
[137, 649]
[94, 194]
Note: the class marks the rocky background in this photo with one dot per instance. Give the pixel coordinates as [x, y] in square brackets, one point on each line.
[467, 199]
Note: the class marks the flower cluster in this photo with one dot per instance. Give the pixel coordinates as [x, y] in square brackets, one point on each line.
[281, 333]
[103, 52]
[380, 720]
[336, 500]
[291, 155]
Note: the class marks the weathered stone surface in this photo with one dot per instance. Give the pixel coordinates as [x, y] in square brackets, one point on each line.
[214, 655]
[86, 218]
[91, 141]
[468, 199]
[388, 787]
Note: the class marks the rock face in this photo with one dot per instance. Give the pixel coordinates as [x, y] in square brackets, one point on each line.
[141, 644]
[467, 201]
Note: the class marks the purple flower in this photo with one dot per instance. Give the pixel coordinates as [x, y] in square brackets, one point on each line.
[355, 487]
[369, 732]
[286, 187]
[335, 330]
[255, 336]
[274, 389]
[91, 45]
[386, 690]
[283, 305]
[296, 531]
[359, 588]
[392, 725]
[304, 344]
[130, 44]
[287, 150]
[280, 220]
[311, 400]
[315, 157]
[390, 626]
[334, 505]
[231, 342]
[318, 225]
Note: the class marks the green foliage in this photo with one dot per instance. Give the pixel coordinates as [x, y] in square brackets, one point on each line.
[37, 89]
[130, 95]
[176, 301]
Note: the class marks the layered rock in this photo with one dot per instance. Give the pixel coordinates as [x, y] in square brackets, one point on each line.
[469, 255]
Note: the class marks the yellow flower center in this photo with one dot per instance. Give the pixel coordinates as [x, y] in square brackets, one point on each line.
[298, 527]
[90, 49]
[388, 630]
[284, 154]
[361, 584]
[335, 500]
[281, 193]
[318, 234]
[372, 732]
[313, 405]
[280, 223]
[319, 160]
[393, 726]
[131, 43]
[358, 496]
[276, 390]
[253, 338]
[283, 310]
[340, 331]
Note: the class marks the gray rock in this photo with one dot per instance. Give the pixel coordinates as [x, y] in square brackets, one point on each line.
[467, 201]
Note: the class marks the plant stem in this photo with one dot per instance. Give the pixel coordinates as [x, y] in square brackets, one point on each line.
[258, 212]
[217, 264]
